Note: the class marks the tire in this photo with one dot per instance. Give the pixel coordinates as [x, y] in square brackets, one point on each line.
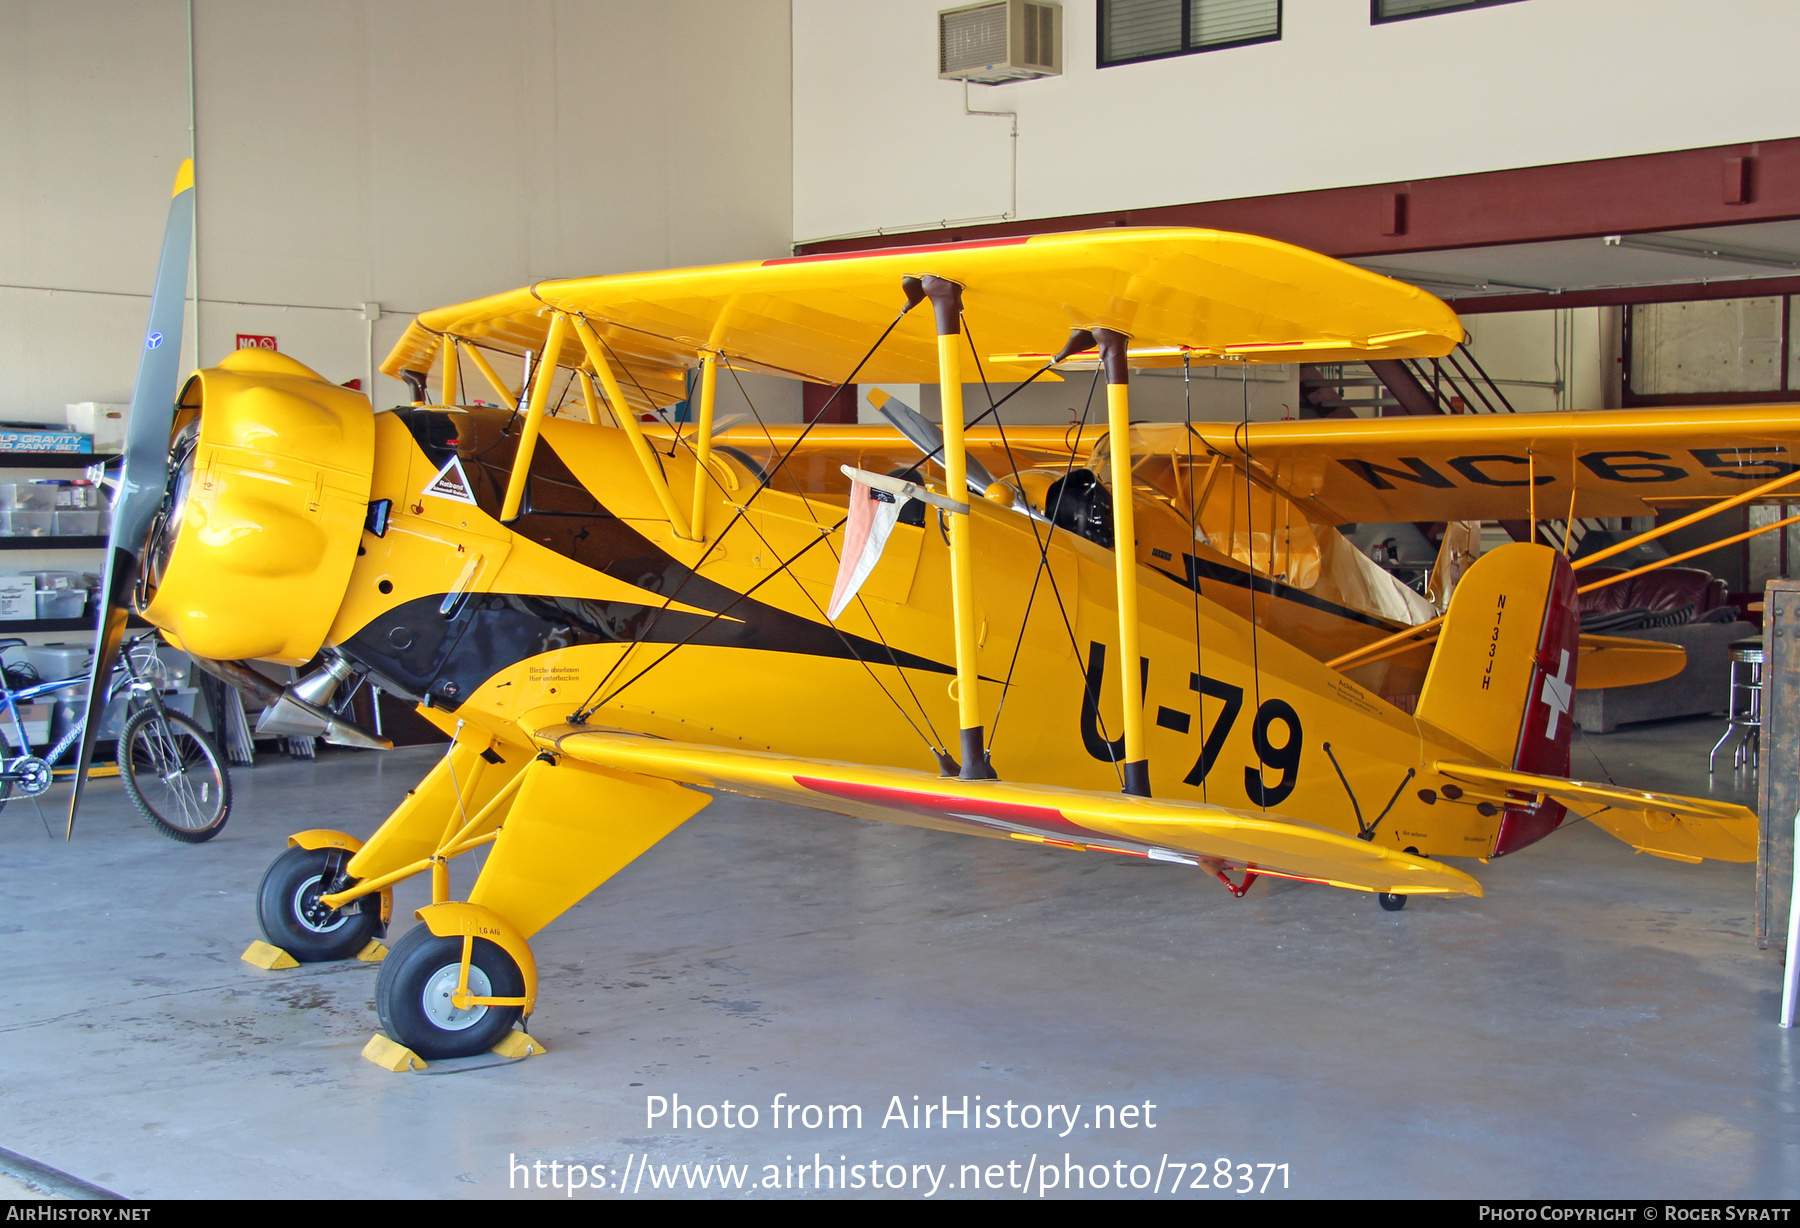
[287, 907]
[175, 775]
[412, 995]
[1389, 901]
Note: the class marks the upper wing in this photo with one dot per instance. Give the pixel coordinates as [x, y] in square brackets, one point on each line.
[1664, 824]
[1482, 466]
[1186, 832]
[815, 317]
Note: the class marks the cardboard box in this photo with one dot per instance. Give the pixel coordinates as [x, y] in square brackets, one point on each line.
[104, 421]
[18, 598]
[45, 441]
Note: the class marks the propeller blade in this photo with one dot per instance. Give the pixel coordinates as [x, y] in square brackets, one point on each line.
[144, 472]
[927, 436]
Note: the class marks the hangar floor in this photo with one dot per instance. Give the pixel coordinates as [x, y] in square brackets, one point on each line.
[1600, 1025]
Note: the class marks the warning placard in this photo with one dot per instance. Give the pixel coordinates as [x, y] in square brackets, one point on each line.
[451, 483]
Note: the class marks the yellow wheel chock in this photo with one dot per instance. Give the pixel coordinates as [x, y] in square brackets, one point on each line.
[263, 955]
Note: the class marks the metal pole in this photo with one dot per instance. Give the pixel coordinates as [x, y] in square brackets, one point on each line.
[1790, 982]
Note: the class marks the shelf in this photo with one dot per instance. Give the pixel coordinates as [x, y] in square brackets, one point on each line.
[55, 460]
[52, 543]
[13, 626]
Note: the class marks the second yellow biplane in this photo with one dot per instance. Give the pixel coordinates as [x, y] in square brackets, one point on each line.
[610, 619]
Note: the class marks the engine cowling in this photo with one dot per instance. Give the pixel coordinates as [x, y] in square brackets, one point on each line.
[270, 469]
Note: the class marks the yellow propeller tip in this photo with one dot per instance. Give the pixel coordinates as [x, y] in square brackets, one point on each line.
[184, 178]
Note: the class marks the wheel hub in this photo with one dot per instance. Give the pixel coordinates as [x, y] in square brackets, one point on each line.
[311, 913]
[444, 1013]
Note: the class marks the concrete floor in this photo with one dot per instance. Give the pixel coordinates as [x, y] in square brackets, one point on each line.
[1600, 1025]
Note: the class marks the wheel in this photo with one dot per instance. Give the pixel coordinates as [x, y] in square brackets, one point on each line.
[1389, 901]
[287, 905]
[412, 995]
[175, 775]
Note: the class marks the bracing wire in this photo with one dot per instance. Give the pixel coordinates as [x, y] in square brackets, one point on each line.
[1043, 544]
[587, 706]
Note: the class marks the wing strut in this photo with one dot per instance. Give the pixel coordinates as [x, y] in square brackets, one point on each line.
[946, 302]
[1131, 686]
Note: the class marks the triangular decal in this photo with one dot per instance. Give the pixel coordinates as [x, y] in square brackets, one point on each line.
[451, 483]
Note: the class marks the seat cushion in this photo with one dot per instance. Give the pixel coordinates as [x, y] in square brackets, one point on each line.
[1668, 588]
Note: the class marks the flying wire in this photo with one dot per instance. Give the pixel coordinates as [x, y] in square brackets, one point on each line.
[1043, 544]
[937, 741]
[587, 707]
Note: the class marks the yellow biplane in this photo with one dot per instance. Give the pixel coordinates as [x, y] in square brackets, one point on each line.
[610, 618]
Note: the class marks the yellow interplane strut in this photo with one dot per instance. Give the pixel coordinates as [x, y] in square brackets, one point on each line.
[946, 303]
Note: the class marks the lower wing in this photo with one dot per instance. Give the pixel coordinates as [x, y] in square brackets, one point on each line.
[1663, 824]
[1190, 833]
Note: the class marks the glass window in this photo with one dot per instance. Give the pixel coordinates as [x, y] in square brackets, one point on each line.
[1132, 30]
[1400, 10]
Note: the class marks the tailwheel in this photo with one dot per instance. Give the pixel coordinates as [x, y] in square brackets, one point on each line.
[292, 917]
[414, 993]
[1389, 901]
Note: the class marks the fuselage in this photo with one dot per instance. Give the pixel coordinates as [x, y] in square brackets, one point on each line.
[588, 605]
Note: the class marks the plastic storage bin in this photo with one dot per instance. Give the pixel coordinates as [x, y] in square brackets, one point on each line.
[77, 523]
[27, 496]
[51, 661]
[75, 495]
[61, 602]
[63, 579]
[15, 523]
[36, 718]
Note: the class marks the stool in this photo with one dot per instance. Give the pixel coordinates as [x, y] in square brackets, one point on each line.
[1744, 710]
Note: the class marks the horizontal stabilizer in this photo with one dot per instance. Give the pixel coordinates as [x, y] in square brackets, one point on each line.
[1610, 660]
[1664, 824]
[1187, 832]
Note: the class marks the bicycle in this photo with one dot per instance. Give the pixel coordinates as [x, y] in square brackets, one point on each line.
[173, 772]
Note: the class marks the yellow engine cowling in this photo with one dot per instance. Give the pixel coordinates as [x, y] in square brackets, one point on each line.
[268, 507]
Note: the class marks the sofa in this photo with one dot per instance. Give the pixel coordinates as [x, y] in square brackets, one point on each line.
[1672, 605]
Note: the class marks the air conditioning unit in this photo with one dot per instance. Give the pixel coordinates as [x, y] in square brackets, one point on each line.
[1001, 40]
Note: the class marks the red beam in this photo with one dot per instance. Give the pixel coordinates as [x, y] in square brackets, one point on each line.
[1648, 192]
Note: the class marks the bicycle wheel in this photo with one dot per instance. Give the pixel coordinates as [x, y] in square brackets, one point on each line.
[175, 775]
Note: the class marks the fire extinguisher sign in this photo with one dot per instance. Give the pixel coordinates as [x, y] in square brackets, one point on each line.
[251, 341]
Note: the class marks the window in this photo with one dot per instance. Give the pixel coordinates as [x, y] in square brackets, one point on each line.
[1400, 10]
[1133, 30]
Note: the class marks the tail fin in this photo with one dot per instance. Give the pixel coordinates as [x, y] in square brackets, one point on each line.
[1503, 676]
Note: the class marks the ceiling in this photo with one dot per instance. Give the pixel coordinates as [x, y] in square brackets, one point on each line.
[1675, 257]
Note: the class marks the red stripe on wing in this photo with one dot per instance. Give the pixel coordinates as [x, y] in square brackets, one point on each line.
[946, 806]
[923, 250]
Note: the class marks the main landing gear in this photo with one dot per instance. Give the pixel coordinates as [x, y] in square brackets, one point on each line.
[294, 919]
[416, 995]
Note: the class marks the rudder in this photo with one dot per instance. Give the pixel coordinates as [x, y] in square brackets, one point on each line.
[1503, 676]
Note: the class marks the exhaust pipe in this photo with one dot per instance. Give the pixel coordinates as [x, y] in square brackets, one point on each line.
[298, 711]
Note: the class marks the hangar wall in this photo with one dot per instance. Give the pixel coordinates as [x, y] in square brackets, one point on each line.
[409, 153]
[879, 141]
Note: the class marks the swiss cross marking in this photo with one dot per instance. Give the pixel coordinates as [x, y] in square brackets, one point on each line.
[1558, 691]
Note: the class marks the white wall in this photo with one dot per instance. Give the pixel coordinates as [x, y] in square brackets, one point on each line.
[412, 153]
[879, 141]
